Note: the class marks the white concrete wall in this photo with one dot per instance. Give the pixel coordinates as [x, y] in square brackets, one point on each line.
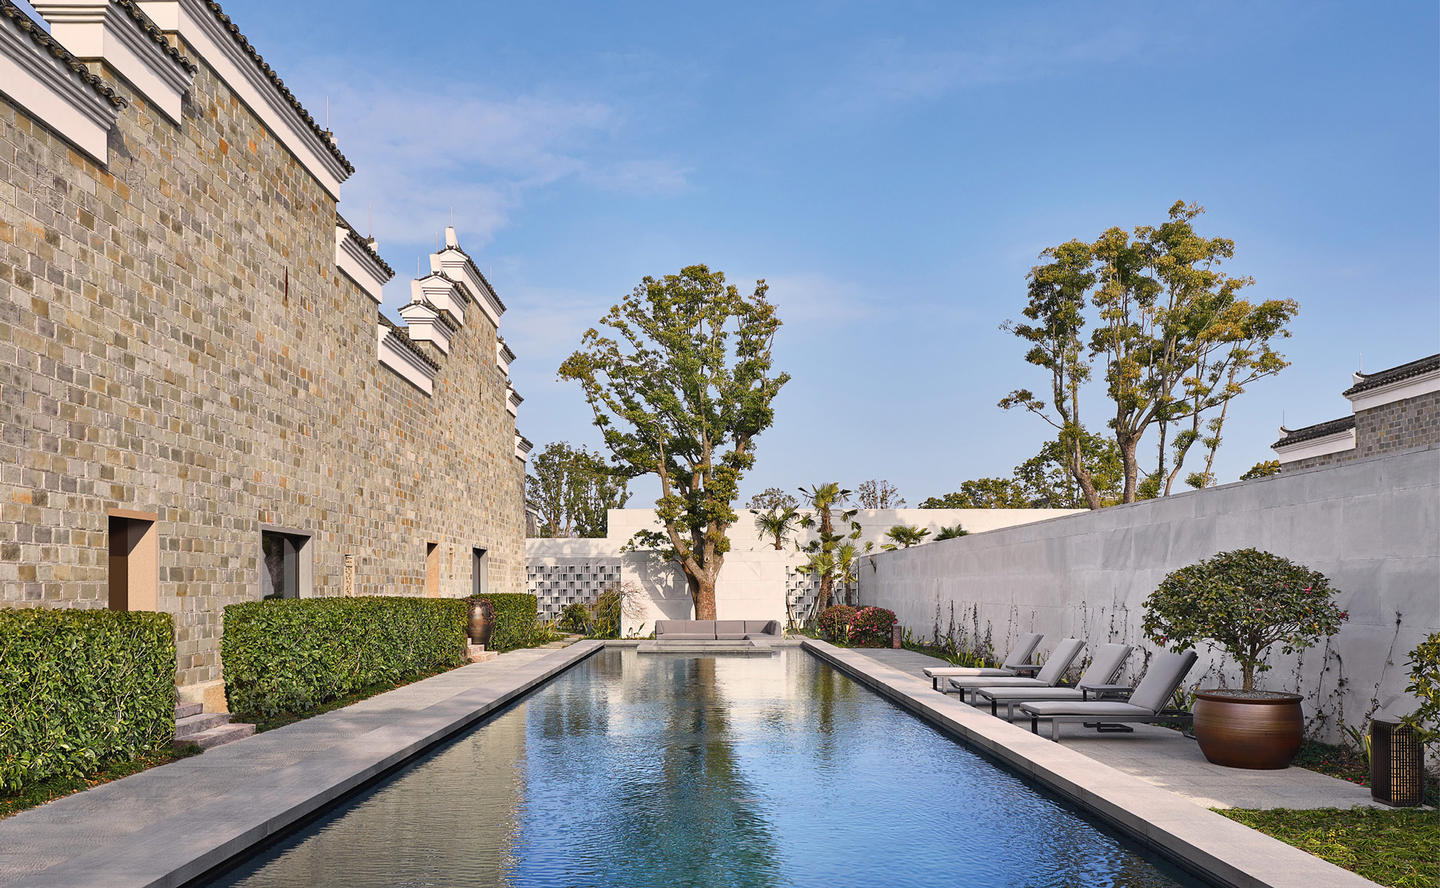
[753, 581]
[1371, 526]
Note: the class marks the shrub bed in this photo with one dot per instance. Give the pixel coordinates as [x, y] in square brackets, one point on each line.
[516, 621]
[871, 627]
[834, 622]
[291, 655]
[80, 689]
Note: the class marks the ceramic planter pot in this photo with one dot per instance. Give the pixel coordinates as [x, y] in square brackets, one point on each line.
[482, 621]
[1259, 730]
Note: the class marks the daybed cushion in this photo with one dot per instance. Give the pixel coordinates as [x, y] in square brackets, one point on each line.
[730, 630]
[761, 628]
[1110, 709]
[685, 630]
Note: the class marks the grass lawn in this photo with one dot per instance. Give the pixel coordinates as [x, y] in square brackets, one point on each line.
[49, 790]
[1399, 848]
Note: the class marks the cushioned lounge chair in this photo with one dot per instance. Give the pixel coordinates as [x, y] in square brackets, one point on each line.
[1103, 669]
[1146, 704]
[1048, 677]
[1017, 662]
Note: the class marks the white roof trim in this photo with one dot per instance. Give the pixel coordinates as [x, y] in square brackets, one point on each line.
[522, 447]
[442, 292]
[458, 266]
[426, 326]
[98, 29]
[1400, 390]
[1338, 442]
[393, 354]
[208, 39]
[513, 401]
[358, 265]
[53, 94]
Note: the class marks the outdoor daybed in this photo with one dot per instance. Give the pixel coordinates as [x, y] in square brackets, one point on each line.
[717, 630]
[1146, 703]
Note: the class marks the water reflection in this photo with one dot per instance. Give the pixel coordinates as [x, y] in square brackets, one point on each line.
[666, 770]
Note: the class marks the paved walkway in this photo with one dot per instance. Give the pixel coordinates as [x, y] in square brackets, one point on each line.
[165, 826]
[1169, 759]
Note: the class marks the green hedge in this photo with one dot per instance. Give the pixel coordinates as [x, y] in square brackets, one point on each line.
[80, 689]
[291, 655]
[516, 621]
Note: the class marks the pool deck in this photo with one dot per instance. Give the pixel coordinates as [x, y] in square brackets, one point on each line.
[1170, 760]
[163, 827]
[1179, 826]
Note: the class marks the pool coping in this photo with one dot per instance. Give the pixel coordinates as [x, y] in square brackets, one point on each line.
[176, 850]
[1194, 836]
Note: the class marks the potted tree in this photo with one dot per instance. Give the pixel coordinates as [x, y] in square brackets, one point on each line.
[1246, 602]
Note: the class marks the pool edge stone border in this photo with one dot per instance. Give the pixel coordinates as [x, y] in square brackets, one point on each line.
[1194, 836]
[160, 855]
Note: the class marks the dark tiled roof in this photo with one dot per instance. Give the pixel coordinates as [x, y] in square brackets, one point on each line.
[479, 274]
[153, 31]
[410, 345]
[1318, 430]
[364, 244]
[279, 84]
[51, 46]
[1394, 374]
[443, 314]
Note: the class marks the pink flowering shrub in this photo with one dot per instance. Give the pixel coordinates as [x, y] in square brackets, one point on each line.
[871, 627]
[1245, 602]
[835, 622]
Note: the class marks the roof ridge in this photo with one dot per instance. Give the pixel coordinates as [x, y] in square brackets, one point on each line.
[41, 38]
[148, 25]
[1393, 374]
[325, 135]
[1318, 430]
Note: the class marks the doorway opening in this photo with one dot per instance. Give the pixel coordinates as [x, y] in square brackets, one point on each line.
[432, 569]
[285, 570]
[134, 558]
[479, 571]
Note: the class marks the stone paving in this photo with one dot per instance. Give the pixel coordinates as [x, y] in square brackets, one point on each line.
[1168, 759]
[165, 826]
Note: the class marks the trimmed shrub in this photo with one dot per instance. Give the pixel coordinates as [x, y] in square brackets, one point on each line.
[834, 622]
[291, 655]
[871, 627]
[516, 621]
[80, 689]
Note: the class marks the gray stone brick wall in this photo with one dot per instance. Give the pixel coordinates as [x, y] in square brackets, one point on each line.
[175, 338]
[1389, 428]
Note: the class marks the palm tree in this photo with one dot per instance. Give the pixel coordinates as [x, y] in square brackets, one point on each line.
[950, 533]
[903, 536]
[777, 522]
[832, 554]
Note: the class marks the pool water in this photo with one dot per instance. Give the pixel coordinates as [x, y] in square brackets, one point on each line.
[666, 770]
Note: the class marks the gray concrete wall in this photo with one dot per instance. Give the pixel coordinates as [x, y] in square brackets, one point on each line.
[1372, 526]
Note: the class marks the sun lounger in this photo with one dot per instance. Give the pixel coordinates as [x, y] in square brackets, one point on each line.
[1017, 662]
[1048, 677]
[1146, 704]
[1103, 669]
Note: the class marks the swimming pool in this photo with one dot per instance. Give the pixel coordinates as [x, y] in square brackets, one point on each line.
[668, 770]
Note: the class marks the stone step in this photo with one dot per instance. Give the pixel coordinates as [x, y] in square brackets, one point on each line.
[185, 710]
[219, 736]
[191, 725]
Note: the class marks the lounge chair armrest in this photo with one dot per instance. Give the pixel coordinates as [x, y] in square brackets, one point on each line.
[1105, 692]
[1023, 668]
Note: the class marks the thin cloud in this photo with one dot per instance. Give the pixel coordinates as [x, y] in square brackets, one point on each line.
[421, 154]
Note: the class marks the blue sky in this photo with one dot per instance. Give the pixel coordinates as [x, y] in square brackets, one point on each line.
[893, 170]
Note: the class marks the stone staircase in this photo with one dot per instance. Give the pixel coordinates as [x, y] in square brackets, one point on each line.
[206, 729]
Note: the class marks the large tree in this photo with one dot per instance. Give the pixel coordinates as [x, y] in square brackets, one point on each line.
[878, 494]
[573, 488]
[1174, 341]
[772, 498]
[681, 390]
[983, 493]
